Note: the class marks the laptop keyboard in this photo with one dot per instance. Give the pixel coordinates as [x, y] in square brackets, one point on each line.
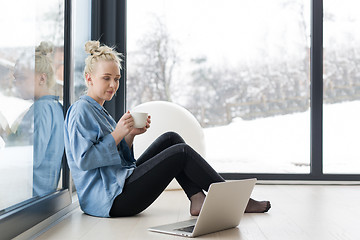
[189, 229]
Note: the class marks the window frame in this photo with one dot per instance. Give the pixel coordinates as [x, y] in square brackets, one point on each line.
[316, 111]
[33, 211]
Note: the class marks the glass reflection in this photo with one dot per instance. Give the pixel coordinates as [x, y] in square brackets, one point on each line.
[31, 87]
[31, 130]
[42, 125]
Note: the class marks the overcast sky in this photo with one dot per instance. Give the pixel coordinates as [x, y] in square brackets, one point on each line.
[234, 30]
[204, 27]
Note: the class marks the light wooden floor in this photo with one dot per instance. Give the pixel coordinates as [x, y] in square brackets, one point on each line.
[298, 212]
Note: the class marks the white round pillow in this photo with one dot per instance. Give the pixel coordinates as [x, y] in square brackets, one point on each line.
[165, 117]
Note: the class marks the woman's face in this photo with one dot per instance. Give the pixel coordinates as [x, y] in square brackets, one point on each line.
[30, 85]
[103, 82]
[24, 82]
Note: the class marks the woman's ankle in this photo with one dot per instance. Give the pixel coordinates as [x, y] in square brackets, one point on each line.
[196, 202]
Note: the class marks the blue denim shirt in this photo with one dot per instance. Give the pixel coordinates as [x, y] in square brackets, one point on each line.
[99, 168]
[48, 144]
[42, 126]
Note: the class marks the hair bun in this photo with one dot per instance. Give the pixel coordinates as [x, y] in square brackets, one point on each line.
[92, 47]
[44, 48]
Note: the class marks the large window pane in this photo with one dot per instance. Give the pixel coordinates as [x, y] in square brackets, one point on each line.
[241, 68]
[31, 112]
[341, 86]
[82, 34]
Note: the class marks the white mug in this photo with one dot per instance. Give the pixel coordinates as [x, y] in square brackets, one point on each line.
[140, 119]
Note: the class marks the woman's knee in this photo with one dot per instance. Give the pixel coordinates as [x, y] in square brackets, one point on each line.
[173, 137]
[183, 148]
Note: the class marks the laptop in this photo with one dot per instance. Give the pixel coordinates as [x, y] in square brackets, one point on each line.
[222, 209]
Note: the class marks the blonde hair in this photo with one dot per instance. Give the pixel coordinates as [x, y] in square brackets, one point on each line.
[40, 62]
[43, 62]
[98, 53]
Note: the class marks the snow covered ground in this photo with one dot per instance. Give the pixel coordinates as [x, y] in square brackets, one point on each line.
[281, 144]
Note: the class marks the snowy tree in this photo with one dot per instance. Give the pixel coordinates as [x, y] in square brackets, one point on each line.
[152, 66]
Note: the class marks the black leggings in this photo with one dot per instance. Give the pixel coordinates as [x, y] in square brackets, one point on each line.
[168, 157]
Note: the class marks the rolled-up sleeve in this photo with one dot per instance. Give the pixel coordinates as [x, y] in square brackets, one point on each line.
[126, 152]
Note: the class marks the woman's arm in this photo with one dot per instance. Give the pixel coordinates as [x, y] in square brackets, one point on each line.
[88, 147]
[129, 139]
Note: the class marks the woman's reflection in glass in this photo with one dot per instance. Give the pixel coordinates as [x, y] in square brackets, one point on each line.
[42, 125]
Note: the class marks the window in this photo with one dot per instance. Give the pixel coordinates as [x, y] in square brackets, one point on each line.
[241, 68]
[31, 110]
[32, 53]
[82, 34]
[341, 86]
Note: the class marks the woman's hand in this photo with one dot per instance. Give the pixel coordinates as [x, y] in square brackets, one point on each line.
[123, 127]
[138, 131]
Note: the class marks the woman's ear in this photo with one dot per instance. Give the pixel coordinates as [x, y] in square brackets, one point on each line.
[42, 79]
[88, 79]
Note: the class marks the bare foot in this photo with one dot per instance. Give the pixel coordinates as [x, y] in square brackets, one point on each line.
[197, 201]
[257, 206]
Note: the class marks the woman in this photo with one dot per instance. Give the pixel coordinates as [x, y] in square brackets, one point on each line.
[109, 181]
[42, 125]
